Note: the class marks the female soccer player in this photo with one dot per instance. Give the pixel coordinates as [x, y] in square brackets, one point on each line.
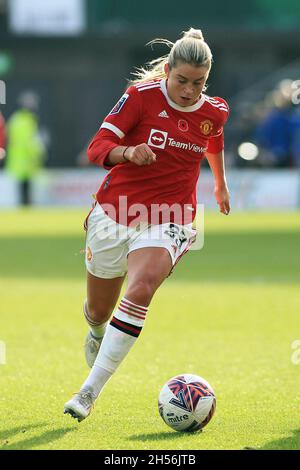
[153, 142]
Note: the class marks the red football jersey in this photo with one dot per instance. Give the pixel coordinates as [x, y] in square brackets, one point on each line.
[179, 136]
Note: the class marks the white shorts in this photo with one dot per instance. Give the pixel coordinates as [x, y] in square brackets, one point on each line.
[109, 243]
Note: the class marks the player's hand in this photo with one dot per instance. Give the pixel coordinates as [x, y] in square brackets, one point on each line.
[222, 198]
[141, 155]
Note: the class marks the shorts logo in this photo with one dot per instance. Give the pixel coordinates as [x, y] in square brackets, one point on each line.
[177, 235]
[89, 254]
[117, 108]
[206, 127]
[157, 138]
[183, 125]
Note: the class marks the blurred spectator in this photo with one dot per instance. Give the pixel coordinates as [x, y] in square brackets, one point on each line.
[2, 137]
[278, 134]
[25, 149]
[295, 143]
[274, 134]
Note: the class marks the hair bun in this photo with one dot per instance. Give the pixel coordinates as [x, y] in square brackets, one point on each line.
[193, 33]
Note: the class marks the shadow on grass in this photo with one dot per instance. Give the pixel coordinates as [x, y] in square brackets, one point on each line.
[34, 441]
[6, 433]
[289, 443]
[160, 436]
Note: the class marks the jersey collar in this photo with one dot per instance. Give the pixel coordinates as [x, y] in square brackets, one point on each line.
[184, 109]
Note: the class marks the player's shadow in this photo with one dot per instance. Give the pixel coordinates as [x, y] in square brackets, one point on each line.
[289, 443]
[158, 436]
[34, 441]
[7, 433]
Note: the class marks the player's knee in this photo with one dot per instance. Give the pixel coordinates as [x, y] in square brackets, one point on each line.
[97, 312]
[142, 289]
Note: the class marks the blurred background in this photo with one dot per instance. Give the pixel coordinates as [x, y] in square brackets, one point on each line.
[230, 312]
[66, 63]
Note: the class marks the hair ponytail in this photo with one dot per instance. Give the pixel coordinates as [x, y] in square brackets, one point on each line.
[193, 33]
[190, 49]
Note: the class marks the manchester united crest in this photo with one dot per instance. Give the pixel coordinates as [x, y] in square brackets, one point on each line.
[206, 126]
[89, 254]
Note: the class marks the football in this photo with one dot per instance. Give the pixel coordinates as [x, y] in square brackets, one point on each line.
[187, 403]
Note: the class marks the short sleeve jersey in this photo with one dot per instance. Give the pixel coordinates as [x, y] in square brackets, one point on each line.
[179, 136]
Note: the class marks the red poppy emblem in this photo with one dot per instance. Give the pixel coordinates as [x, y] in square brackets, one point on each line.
[183, 125]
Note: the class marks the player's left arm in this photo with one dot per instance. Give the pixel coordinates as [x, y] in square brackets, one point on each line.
[216, 163]
[215, 157]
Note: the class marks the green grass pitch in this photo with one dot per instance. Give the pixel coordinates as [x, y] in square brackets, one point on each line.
[229, 313]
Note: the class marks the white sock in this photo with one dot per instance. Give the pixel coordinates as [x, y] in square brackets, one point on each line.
[97, 329]
[120, 336]
[96, 380]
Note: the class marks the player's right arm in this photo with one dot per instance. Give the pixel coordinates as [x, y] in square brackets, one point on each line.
[140, 155]
[106, 148]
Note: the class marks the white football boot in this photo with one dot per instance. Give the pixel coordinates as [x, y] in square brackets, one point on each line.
[80, 406]
[91, 348]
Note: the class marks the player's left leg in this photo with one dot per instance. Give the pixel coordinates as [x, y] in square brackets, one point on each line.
[147, 269]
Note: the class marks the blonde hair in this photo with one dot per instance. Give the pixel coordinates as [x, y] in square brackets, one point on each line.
[190, 49]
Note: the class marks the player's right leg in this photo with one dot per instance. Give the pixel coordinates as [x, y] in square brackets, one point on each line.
[102, 296]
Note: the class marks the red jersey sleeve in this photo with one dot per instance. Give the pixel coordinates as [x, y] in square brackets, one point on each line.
[125, 114]
[100, 147]
[122, 118]
[216, 141]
